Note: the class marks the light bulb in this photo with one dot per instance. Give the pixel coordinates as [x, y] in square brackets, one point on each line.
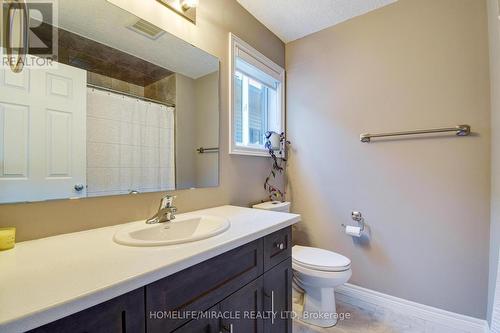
[186, 4]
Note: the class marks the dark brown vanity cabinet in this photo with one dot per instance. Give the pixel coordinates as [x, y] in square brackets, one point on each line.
[247, 289]
[123, 314]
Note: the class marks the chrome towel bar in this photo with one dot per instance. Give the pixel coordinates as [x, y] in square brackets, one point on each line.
[460, 130]
[202, 150]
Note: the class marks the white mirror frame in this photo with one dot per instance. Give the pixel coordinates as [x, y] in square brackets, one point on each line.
[236, 43]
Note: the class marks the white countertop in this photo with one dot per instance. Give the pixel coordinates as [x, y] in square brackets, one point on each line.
[50, 278]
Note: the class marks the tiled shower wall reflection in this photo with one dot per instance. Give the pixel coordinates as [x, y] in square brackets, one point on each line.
[130, 145]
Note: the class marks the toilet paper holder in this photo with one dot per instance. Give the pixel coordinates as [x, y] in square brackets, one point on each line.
[358, 217]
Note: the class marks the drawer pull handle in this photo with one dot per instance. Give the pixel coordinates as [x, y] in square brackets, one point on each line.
[280, 246]
[272, 304]
[229, 329]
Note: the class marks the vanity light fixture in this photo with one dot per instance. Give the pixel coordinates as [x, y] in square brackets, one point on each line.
[185, 8]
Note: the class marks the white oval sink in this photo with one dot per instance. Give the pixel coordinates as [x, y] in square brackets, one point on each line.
[184, 229]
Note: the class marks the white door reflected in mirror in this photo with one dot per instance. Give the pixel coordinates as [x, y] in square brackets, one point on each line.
[42, 123]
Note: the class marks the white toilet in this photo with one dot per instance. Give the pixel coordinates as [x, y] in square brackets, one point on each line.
[316, 274]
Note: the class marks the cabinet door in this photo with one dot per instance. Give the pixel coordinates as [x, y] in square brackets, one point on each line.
[242, 311]
[124, 314]
[208, 324]
[202, 286]
[278, 298]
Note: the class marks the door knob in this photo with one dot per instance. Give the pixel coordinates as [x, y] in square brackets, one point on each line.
[79, 187]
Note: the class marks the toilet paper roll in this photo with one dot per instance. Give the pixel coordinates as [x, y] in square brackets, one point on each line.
[353, 231]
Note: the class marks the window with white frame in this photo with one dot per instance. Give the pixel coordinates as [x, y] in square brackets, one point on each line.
[257, 99]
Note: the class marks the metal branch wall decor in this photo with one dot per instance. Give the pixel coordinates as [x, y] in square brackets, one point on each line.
[278, 167]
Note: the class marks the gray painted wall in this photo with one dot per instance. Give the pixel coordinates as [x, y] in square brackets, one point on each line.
[185, 132]
[414, 64]
[197, 125]
[494, 33]
[207, 121]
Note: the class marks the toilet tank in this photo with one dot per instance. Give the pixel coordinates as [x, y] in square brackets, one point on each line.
[276, 206]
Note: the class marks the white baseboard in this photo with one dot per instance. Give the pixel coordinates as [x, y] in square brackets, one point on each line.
[428, 313]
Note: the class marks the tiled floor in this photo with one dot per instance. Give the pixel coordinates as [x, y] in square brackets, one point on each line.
[365, 317]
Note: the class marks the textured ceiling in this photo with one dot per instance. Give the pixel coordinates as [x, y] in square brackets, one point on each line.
[293, 19]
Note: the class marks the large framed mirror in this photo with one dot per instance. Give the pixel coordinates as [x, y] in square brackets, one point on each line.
[125, 108]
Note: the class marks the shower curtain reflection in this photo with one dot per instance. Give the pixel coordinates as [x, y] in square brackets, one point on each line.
[130, 145]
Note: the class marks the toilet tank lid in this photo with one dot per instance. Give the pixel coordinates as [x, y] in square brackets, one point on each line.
[319, 258]
[273, 205]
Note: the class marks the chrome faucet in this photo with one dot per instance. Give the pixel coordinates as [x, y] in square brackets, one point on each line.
[166, 211]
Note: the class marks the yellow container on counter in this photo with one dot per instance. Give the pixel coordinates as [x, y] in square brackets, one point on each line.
[7, 238]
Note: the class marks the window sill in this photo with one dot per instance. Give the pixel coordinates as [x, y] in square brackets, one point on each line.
[251, 152]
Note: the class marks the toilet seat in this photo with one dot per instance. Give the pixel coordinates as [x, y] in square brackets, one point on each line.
[311, 258]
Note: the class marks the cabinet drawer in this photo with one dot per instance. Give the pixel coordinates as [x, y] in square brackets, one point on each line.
[277, 247]
[119, 315]
[202, 286]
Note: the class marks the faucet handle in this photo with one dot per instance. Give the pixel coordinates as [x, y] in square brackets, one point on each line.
[173, 210]
[167, 214]
[167, 201]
